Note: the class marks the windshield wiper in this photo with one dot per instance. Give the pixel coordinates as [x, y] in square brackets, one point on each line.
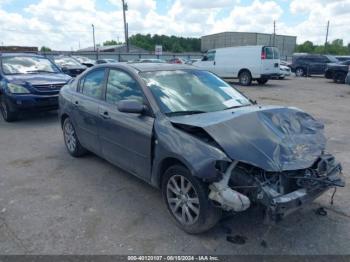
[189, 112]
[40, 71]
[233, 107]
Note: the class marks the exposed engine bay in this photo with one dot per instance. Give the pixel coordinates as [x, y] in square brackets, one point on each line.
[279, 192]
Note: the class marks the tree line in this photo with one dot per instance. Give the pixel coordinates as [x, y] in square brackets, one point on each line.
[335, 47]
[170, 43]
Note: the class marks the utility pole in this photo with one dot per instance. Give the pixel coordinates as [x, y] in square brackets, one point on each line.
[325, 44]
[93, 36]
[125, 8]
[274, 32]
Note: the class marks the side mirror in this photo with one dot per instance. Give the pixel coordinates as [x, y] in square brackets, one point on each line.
[131, 106]
[205, 58]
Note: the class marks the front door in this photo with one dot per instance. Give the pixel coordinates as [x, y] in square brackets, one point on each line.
[126, 138]
[86, 115]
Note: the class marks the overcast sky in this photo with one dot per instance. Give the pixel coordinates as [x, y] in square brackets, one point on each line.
[63, 24]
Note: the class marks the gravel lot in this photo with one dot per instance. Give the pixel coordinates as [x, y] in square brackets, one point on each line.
[51, 203]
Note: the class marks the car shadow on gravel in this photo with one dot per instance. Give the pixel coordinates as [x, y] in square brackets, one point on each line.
[35, 118]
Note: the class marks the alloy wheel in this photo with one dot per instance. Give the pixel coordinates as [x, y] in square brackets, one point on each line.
[244, 79]
[299, 72]
[183, 200]
[69, 136]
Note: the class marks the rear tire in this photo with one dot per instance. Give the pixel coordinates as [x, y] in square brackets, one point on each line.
[245, 78]
[299, 72]
[262, 81]
[187, 201]
[71, 140]
[7, 114]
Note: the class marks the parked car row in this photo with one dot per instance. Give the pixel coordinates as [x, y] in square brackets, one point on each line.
[69, 65]
[327, 65]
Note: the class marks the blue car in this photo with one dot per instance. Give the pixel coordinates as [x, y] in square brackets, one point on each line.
[28, 82]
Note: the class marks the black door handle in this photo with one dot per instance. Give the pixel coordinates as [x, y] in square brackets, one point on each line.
[105, 115]
[76, 103]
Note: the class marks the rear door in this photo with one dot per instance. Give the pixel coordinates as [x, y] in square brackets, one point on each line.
[315, 65]
[323, 61]
[126, 138]
[270, 60]
[86, 114]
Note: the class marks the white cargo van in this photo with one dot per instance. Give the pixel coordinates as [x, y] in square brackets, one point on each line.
[247, 63]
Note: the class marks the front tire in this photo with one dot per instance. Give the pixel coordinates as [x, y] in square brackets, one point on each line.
[339, 77]
[187, 201]
[7, 114]
[262, 81]
[71, 139]
[245, 78]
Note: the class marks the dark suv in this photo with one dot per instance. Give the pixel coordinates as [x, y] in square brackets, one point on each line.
[28, 82]
[304, 65]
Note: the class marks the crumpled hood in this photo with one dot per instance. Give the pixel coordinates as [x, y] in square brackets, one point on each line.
[273, 138]
[38, 79]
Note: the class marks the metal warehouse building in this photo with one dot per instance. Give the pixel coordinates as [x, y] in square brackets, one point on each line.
[286, 44]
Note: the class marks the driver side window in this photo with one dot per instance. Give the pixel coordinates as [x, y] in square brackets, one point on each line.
[211, 56]
[121, 86]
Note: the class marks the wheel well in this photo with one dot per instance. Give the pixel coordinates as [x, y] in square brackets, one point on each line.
[243, 70]
[63, 117]
[164, 165]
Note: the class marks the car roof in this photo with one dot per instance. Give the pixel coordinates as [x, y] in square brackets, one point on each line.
[145, 67]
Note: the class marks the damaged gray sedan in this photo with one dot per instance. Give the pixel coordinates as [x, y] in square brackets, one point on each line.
[204, 144]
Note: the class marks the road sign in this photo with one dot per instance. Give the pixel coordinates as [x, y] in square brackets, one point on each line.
[159, 50]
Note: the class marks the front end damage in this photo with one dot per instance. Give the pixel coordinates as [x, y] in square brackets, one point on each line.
[276, 158]
[280, 193]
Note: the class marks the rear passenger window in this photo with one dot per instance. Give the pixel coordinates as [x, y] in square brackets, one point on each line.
[269, 52]
[121, 86]
[92, 84]
[276, 53]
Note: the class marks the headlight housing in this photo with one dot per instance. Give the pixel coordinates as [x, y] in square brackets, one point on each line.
[17, 89]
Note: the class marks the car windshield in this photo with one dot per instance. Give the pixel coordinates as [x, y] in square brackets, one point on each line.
[192, 91]
[333, 59]
[27, 65]
[66, 61]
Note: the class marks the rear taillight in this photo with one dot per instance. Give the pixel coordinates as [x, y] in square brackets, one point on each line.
[263, 55]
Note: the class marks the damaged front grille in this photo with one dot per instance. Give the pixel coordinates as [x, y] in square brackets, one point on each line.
[281, 192]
